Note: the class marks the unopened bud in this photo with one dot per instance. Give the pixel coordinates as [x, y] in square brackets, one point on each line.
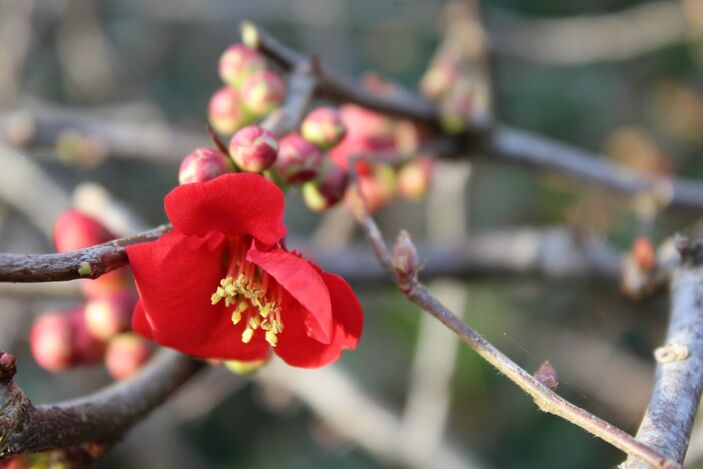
[86, 348]
[126, 354]
[414, 178]
[8, 366]
[377, 187]
[108, 316]
[51, 341]
[323, 127]
[238, 63]
[202, 165]
[547, 375]
[244, 368]
[225, 111]
[456, 109]
[327, 189]
[644, 253]
[262, 93]
[299, 160]
[108, 284]
[405, 258]
[75, 230]
[254, 149]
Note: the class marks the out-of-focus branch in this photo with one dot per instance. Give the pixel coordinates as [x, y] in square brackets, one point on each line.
[547, 400]
[87, 263]
[502, 143]
[667, 424]
[102, 417]
[583, 40]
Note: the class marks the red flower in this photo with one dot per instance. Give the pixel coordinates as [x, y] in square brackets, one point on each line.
[221, 285]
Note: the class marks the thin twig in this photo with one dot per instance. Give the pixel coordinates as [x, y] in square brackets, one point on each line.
[502, 143]
[667, 424]
[546, 400]
[102, 417]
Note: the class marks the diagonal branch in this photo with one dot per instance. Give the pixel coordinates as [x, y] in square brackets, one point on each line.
[102, 417]
[546, 400]
[501, 142]
[668, 422]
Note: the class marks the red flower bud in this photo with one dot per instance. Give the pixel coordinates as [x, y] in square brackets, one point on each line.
[262, 93]
[378, 188]
[414, 178]
[405, 258]
[8, 367]
[376, 128]
[107, 284]
[547, 375]
[327, 189]
[108, 316]
[51, 341]
[299, 160]
[75, 230]
[644, 254]
[202, 165]
[126, 354]
[238, 63]
[86, 348]
[323, 127]
[225, 111]
[254, 149]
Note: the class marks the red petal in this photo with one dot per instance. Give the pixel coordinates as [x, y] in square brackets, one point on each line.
[303, 283]
[233, 204]
[140, 325]
[297, 349]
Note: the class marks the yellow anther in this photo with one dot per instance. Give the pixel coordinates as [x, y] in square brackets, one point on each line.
[242, 307]
[215, 298]
[247, 335]
[271, 338]
[265, 325]
[266, 310]
[236, 316]
[254, 322]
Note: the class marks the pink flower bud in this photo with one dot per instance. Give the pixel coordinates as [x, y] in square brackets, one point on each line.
[87, 349]
[8, 366]
[225, 111]
[327, 189]
[378, 188]
[262, 93]
[51, 341]
[202, 165]
[414, 178]
[405, 258]
[107, 284]
[299, 160]
[108, 316]
[238, 63]
[643, 253]
[323, 127]
[126, 354]
[75, 230]
[254, 149]
[547, 375]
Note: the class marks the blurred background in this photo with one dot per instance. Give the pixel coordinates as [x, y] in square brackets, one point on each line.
[622, 78]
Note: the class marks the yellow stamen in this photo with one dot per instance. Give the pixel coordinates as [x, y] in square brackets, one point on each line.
[271, 338]
[247, 335]
[236, 316]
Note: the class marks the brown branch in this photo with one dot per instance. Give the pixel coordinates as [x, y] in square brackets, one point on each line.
[545, 399]
[503, 143]
[668, 422]
[102, 417]
[86, 263]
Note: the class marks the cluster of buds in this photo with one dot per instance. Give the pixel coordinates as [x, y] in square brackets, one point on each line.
[251, 91]
[89, 333]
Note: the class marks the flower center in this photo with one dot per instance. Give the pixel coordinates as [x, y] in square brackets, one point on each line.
[255, 298]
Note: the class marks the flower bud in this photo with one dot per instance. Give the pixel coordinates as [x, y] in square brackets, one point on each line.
[262, 93]
[254, 149]
[327, 189]
[110, 315]
[378, 188]
[108, 284]
[547, 375]
[238, 63]
[298, 160]
[225, 111]
[414, 178]
[75, 230]
[126, 354]
[51, 341]
[202, 165]
[323, 127]
[244, 368]
[8, 366]
[644, 253]
[439, 79]
[86, 348]
[405, 258]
